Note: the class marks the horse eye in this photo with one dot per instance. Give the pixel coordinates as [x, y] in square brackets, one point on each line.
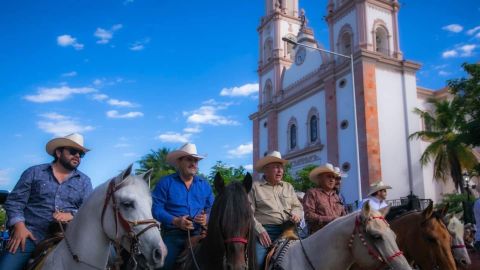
[377, 237]
[431, 239]
[127, 204]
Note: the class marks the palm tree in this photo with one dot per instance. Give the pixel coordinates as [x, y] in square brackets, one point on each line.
[156, 160]
[450, 155]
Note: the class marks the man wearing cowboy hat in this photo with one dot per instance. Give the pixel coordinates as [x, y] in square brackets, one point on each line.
[339, 175]
[322, 204]
[181, 201]
[273, 202]
[45, 193]
[377, 194]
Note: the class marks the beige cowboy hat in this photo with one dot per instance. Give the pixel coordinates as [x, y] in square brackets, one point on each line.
[188, 149]
[272, 157]
[73, 140]
[379, 185]
[326, 168]
[339, 173]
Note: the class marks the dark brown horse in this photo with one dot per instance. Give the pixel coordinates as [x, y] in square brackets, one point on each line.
[424, 239]
[230, 240]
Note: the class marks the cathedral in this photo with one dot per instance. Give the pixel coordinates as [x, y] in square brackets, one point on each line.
[314, 111]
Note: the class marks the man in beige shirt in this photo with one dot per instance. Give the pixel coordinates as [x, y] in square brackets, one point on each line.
[270, 198]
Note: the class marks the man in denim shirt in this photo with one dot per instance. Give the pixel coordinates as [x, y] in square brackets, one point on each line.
[44, 194]
[181, 201]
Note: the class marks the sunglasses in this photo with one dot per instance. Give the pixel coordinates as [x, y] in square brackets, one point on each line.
[73, 152]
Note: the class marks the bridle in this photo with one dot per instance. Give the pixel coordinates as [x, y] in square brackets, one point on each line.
[372, 250]
[127, 225]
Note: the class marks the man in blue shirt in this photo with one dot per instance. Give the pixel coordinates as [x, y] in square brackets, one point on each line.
[44, 194]
[181, 201]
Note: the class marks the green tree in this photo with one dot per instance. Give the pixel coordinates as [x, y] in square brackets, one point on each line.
[467, 100]
[300, 182]
[3, 215]
[450, 155]
[156, 160]
[228, 173]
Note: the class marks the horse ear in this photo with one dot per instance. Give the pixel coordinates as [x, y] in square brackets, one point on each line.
[459, 215]
[147, 175]
[384, 211]
[126, 172]
[443, 212]
[219, 183]
[366, 209]
[247, 182]
[427, 213]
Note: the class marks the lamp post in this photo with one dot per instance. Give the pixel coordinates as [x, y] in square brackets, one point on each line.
[350, 57]
[467, 211]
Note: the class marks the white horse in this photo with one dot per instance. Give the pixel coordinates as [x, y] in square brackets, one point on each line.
[459, 250]
[362, 237]
[120, 212]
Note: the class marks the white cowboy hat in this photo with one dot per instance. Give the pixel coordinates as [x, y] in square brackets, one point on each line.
[188, 149]
[73, 140]
[272, 157]
[326, 168]
[379, 185]
[339, 173]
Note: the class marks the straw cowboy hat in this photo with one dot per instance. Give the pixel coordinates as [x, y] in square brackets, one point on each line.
[188, 149]
[379, 185]
[326, 168]
[272, 157]
[73, 140]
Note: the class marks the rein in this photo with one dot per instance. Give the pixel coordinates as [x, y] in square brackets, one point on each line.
[371, 250]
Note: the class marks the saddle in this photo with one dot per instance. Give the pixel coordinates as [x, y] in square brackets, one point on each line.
[280, 246]
[54, 236]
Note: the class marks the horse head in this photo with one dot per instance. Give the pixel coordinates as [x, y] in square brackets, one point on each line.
[459, 250]
[230, 228]
[373, 242]
[127, 218]
[436, 238]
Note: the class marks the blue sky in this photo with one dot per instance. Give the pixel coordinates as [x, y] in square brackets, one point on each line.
[138, 75]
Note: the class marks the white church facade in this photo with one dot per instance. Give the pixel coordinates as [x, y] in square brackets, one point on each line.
[306, 101]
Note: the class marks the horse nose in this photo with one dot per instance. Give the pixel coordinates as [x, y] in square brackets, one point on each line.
[157, 256]
[464, 262]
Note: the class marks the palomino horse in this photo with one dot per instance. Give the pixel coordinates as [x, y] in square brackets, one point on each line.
[230, 240]
[460, 252]
[120, 212]
[362, 238]
[425, 239]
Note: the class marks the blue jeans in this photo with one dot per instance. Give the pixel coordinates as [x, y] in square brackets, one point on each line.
[18, 260]
[274, 231]
[175, 240]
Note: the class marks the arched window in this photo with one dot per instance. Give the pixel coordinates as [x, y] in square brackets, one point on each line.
[268, 92]
[290, 52]
[381, 40]
[346, 44]
[267, 50]
[313, 129]
[293, 136]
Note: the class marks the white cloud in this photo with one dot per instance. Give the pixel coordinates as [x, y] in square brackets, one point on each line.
[455, 28]
[67, 40]
[115, 114]
[443, 73]
[106, 35]
[248, 167]
[449, 53]
[174, 137]
[241, 150]
[196, 129]
[120, 103]
[244, 90]
[126, 2]
[131, 154]
[57, 93]
[139, 45]
[4, 176]
[473, 30]
[69, 74]
[61, 125]
[100, 97]
[98, 82]
[121, 145]
[467, 50]
[208, 114]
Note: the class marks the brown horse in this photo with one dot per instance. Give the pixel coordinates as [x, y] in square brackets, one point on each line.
[424, 239]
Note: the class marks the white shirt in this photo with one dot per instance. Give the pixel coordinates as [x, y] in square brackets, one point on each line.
[374, 202]
[476, 211]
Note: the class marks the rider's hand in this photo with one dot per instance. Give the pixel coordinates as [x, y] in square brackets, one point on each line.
[183, 223]
[19, 237]
[62, 216]
[265, 239]
[295, 219]
[201, 219]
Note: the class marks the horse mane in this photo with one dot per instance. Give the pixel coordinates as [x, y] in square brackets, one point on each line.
[230, 214]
